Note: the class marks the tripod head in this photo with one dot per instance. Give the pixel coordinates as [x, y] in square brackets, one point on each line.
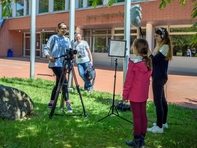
[70, 53]
[68, 57]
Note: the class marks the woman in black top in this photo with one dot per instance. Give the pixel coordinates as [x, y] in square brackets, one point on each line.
[160, 58]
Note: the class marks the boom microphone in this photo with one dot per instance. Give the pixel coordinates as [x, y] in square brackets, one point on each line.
[136, 15]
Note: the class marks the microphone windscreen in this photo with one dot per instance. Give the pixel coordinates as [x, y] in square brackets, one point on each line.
[136, 15]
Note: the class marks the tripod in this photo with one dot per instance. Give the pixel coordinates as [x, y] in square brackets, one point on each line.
[113, 107]
[66, 68]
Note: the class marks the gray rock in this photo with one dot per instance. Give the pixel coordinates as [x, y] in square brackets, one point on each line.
[14, 103]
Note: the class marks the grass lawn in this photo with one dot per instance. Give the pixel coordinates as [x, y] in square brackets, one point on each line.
[39, 131]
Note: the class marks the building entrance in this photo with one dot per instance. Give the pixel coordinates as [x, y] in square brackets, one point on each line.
[41, 40]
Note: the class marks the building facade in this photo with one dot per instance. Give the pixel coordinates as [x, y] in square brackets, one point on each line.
[97, 25]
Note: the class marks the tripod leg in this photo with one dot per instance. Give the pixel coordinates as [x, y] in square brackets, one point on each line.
[117, 114]
[113, 107]
[58, 91]
[79, 92]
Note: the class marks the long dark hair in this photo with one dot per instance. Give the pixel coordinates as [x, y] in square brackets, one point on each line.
[141, 46]
[165, 40]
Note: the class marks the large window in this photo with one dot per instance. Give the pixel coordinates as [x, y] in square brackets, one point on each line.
[100, 43]
[27, 10]
[59, 5]
[100, 40]
[80, 3]
[185, 29]
[43, 6]
[19, 8]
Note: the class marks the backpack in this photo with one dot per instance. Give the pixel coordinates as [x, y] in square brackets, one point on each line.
[122, 106]
[90, 73]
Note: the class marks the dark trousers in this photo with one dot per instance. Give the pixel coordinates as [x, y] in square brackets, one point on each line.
[160, 100]
[139, 117]
[58, 71]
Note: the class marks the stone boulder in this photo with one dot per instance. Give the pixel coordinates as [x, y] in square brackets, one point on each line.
[14, 103]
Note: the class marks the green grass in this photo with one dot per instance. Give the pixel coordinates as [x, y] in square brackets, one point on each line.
[39, 131]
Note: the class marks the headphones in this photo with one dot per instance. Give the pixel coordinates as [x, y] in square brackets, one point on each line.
[163, 34]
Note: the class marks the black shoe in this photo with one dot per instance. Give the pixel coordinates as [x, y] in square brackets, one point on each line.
[142, 143]
[135, 143]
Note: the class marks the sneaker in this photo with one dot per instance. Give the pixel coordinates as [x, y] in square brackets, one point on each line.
[68, 108]
[50, 105]
[90, 89]
[155, 129]
[134, 143]
[164, 125]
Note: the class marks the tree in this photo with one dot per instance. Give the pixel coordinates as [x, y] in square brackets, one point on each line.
[182, 3]
[7, 10]
[193, 15]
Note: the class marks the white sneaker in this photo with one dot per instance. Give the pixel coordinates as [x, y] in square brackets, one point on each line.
[155, 129]
[164, 125]
[68, 108]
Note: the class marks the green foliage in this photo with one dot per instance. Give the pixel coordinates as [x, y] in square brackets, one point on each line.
[95, 3]
[194, 11]
[162, 4]
[182, 3]
[43, 6]
[7, 10]
[38, 131]
[182, 40]
[193, 15]
[59, 5]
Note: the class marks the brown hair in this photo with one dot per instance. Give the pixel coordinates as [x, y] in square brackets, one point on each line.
[165, 40]
[60, 25]
[143, 49]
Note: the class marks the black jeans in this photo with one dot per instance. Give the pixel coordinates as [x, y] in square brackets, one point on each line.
[160, 100]
[58, 71]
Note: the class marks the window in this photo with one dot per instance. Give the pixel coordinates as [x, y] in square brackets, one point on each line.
[19, 8]
[59, 5]
[27, 10]
[99, 32]
[122, 31]
[43, 6]
[186, 29]
[100, 44]
[80, 3]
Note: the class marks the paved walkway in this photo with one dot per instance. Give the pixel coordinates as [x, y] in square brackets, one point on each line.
[180, 89]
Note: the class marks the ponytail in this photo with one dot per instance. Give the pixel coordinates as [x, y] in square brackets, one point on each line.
[148, 62]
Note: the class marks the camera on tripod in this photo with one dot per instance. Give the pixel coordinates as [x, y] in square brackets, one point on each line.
[70, 53]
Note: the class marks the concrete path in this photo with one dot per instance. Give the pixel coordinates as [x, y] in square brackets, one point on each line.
[180, 89]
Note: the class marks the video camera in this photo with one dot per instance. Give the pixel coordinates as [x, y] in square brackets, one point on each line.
[70, 53]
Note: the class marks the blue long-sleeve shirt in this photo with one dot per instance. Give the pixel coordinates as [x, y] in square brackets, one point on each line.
[56, 47]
